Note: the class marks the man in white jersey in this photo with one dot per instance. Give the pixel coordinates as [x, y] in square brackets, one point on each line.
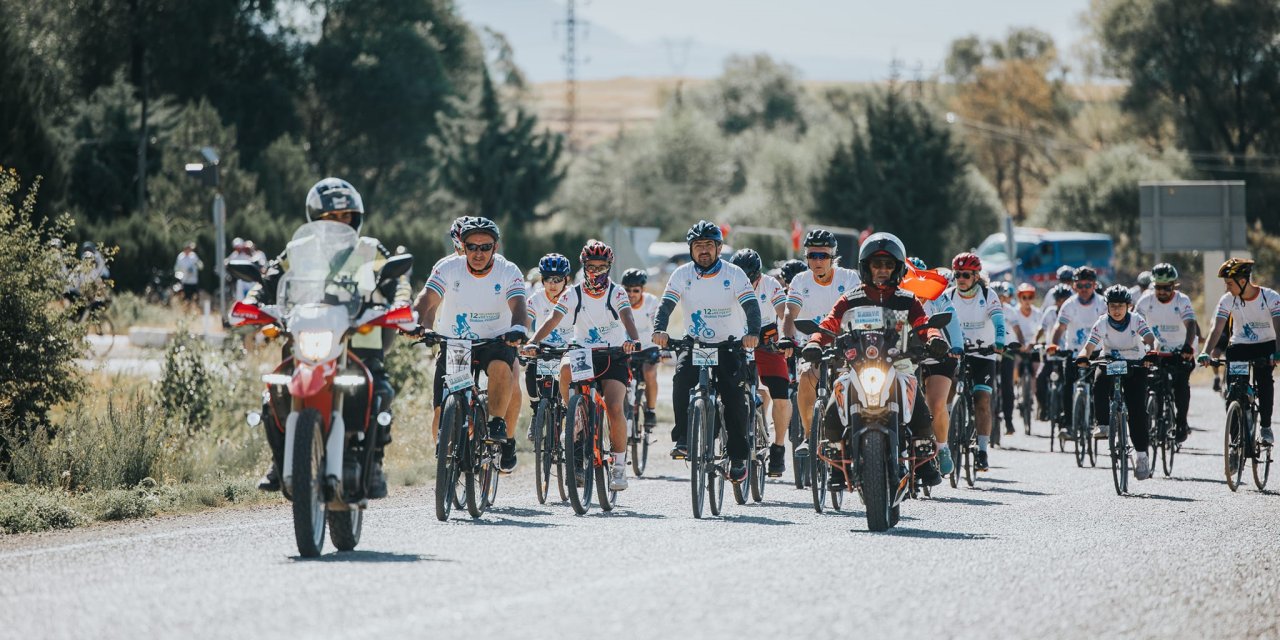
[644, 306]
[771, 363]
[1127, 336]
[1173, 320]
[811, 296]
[601, 317]
[719, 306]
[1255, 321]
[553, 274]
[1076, 318]
[1023, 320]
[480, 295]
[1060, 293]
[982, 321]
[1066, 276]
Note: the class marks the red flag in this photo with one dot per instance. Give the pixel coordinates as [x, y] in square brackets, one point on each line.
[797, 233]
[927, 284]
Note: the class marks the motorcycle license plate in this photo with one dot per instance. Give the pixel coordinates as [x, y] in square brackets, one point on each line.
[706, 357]
[548, 367]
[1117, 368]
[868, 318]
[1237, 368]
[580, 366]
[457, 365]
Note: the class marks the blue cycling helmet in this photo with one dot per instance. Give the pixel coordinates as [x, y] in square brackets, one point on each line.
[917, 263]
[554, 264]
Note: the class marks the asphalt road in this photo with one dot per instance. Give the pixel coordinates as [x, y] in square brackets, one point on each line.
[1039, 548]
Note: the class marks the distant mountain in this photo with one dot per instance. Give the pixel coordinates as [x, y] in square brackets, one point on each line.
[536, 31]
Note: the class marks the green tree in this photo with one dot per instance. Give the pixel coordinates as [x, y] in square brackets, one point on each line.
[25, 109]
[900, 172]
[758, 92]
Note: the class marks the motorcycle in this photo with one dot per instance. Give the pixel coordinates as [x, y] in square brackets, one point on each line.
[874, 400]
[323, 300]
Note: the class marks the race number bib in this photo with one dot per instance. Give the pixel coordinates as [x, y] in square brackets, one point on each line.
[457, 365]
[548, 367]
[1117, 367]
[1237, 368]
[706, 357]
[581, 368]
[868, 318]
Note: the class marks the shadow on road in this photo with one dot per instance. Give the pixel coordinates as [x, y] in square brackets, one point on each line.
[1152, 496]
[636, 515]
[757, 520]
[360, 555]
[520, 512]
[507, 522]
[968, 501]
[1185, 479]
[930, 535]
[1021, 492]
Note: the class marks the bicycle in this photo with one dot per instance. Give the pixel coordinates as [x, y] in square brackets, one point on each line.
[1082, 422]
[1162, 414]
[795, 431]
[757, 439]
[463, 457]
[1118, 429]
[1026, 389]
[638, 434]
[584, 441]
[1055, 399]
[819, 466]
[1241, 438]
[708, 450]
[962, 435]
[548, 419]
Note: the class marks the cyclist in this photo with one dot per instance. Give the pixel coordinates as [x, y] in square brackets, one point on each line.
[1059, 293]
[882, 264]
[1066, 276]
[1023, 320]
[940, 373]
[553, 273]
[1005, 366]
[479, 295]
[811, 295]
[1143, 285]
[644, 306]
[789, 270]
[719, 305]
[1126, 335]
[336, 200]
[771, 364]
[1076, 318]
[1254, 313]
[1173, 320]
[981, 319]
[601, 317]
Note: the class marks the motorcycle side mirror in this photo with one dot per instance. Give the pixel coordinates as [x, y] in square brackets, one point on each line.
[811, 327]
[395, 267]
[939, 320]
[244, 270]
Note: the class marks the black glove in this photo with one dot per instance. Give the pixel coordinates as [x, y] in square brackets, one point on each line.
[515, 336]
[938, 347]
[786, 343]
[812, 352]
[1185, 349]
[1082, 362]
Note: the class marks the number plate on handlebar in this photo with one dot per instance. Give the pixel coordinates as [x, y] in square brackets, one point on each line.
[548, 367]
[1117, 368]
[581, 366]
[867, 318]
[706, 357]
[457, 365]
[1237, 368]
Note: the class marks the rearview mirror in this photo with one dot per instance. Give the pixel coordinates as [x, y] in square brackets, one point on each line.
[395, 267]
[246, 270]
[939, 320]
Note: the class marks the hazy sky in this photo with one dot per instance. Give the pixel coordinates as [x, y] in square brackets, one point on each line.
[823, 37]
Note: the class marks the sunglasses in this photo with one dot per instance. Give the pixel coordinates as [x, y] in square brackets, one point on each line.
[882, 264]
[964, 274]
[818, 255]
[1026, 296]
[1164, 287]
[595, 268]
[554, 279]
[1084, 285]
[486, 247]
[635, 290]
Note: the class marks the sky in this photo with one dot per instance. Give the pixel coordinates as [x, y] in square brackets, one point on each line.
[826, 39]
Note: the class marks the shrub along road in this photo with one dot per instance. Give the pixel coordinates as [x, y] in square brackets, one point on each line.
[1038, 548]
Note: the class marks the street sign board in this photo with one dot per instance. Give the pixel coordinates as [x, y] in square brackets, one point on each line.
[1191, 216]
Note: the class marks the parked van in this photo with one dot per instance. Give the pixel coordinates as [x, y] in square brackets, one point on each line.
[1041, 252]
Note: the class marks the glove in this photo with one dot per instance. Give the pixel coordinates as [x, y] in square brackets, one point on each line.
[1203, 359]
[938, 347]
[1186, 349]
[812, 352]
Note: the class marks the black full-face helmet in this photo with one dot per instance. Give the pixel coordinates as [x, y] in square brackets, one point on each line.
[882, 244]
[333, 196]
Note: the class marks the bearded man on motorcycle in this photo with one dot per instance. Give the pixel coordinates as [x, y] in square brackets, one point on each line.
[882, 265]
[335, 199]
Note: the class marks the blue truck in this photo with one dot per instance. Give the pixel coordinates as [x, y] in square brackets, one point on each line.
[1040, 252]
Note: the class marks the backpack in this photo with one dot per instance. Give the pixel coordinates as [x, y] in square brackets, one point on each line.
[607, 295]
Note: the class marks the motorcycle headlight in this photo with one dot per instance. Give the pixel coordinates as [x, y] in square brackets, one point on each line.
[315, 345]
[872, 381]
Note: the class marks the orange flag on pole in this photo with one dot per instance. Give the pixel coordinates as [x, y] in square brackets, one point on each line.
[924, 283]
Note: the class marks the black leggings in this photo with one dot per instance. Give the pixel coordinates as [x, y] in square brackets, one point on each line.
[1135, 398]
[1006, 389]
[1263, 380]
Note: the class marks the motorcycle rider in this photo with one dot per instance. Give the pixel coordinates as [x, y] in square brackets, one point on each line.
[770, 364]
[881, 265]
[335, 199]
[644, 306]
[719, 305]
[1173, 319]
[480, 295]
[811, 295]
[982, 320]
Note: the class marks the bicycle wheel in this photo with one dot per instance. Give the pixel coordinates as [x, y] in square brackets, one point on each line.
[578, 427]
[1080, 429]
[601, 459]
[449, 456]
[1119, 456]
[1027, 397]
[555, 444]
[489, 456]
[956, 442]
[474, 471]
[818, 470]
[699, 414]
[760, 460]
[716, 458]
[1168, 437]
[1055, 420]
[1233, 445]
[1261, 467]
[640, 437]
[741, 490]
[541, 454]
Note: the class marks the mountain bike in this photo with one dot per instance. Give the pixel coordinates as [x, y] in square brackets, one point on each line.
[1162, 413]
[548, 420]
[1241, 439]
[1082, 421]
[708, 448]
[638, 433]
[757, 439]
[1118, 427]
[584, 445]
[464, 460]
[962, 436]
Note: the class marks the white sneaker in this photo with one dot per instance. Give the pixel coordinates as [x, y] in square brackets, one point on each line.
[1143, 470]
[618, 477]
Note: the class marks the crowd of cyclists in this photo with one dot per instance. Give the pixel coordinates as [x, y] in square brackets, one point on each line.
[998, 336]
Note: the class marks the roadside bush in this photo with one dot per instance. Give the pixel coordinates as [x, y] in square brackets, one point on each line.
[27, 509]
[188, 388]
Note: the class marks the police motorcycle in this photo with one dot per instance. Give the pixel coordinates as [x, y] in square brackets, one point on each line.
[874, 400]
[322, 301]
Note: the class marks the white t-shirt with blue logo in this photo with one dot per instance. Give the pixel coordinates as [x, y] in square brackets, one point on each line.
[712, 302]
[769, 293]
[1167, 319]
[475, 307]
[596, 325]
[1127, 343]
[1080, 317]
[817, 300]
[981, 317]
[540, 309]
[643, 316]
[1251, 319]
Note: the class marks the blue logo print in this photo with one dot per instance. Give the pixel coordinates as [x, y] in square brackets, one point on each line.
[462, 328]
[726, 284]
[840, 288]
[593, 336]
[497, 288]
[1080, 337]
[1249, 333]
[699, 327]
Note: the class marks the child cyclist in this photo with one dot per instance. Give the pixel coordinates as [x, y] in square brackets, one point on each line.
[1254, 313]
[1126, 334]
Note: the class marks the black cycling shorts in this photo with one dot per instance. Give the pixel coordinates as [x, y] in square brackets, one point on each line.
[481, 357]
[982, 372]
[945, 368]
[777, 386]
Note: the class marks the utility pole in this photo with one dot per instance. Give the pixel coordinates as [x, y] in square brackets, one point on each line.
[571, 24]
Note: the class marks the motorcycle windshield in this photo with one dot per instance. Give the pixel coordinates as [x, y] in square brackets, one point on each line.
[328, 265]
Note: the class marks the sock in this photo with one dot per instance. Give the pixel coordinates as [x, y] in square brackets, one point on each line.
[982, 442]
[620, 458]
